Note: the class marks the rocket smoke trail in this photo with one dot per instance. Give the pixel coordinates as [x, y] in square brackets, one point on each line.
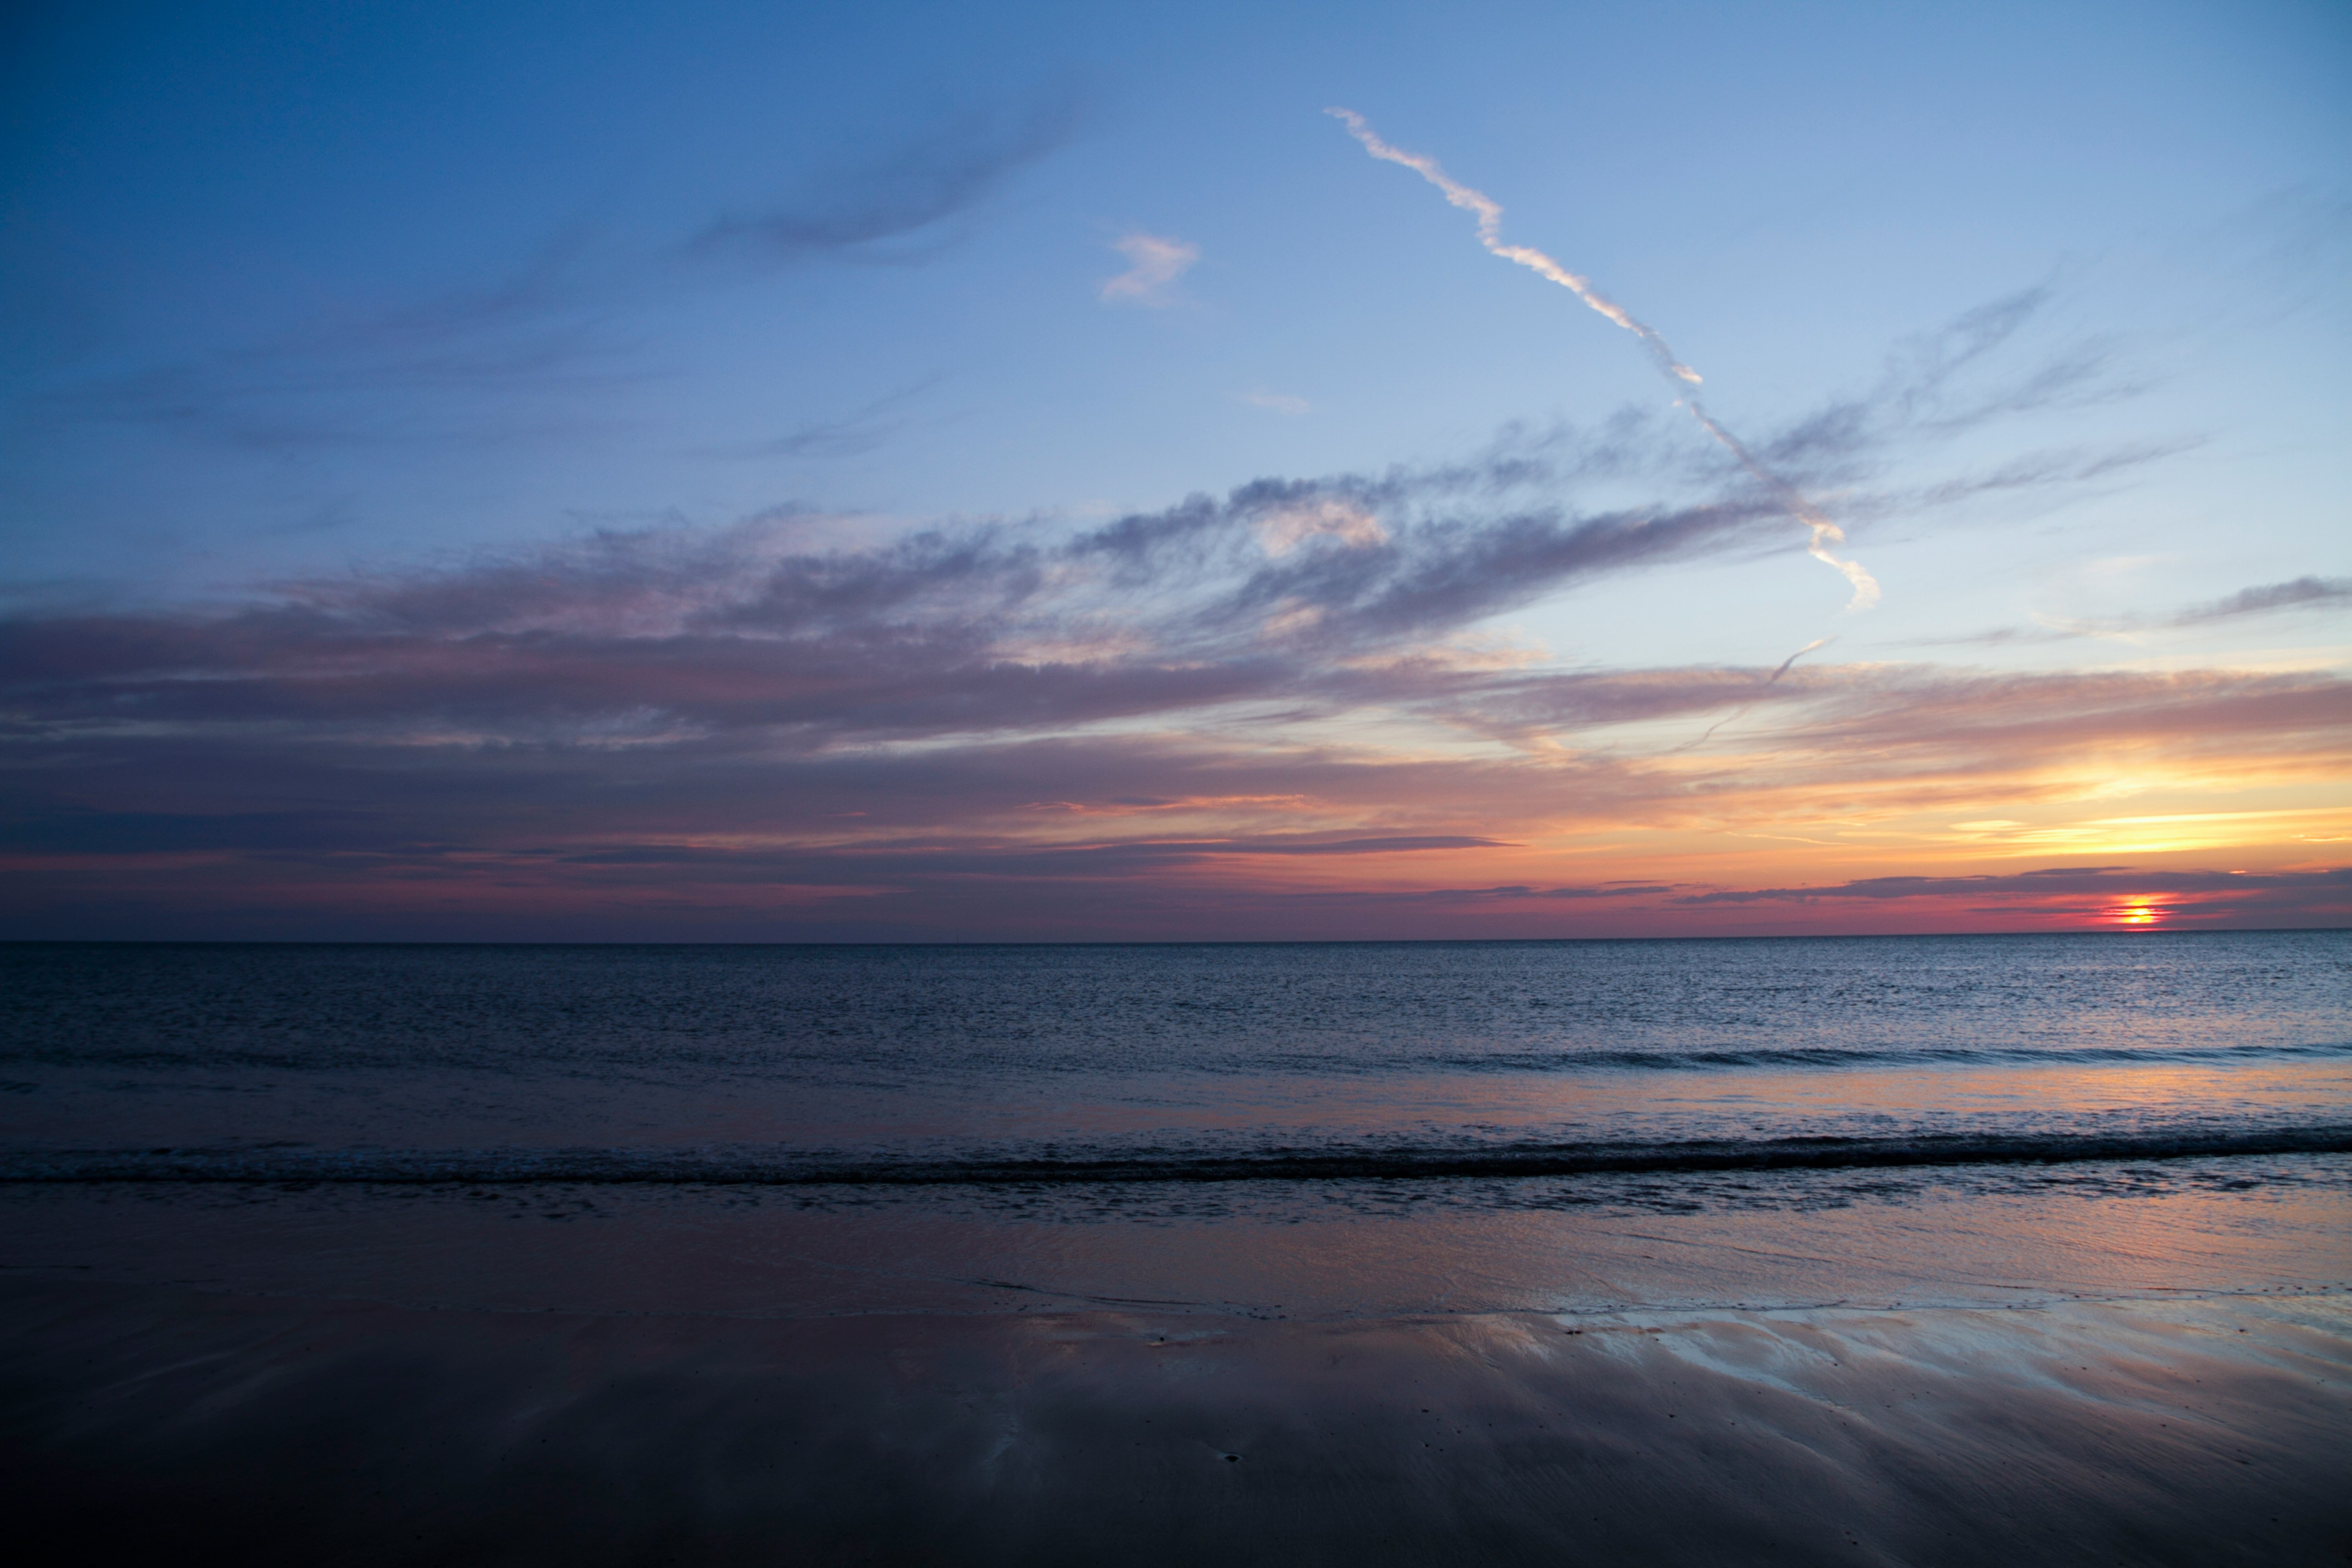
[1789, 662]
[1769, 682]
[1489, 214]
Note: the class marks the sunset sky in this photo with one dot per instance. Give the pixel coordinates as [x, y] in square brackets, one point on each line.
[945, 472]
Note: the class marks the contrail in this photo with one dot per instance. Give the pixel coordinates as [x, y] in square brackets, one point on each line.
[1489, 214]
[1769, 682]
[1817, 642]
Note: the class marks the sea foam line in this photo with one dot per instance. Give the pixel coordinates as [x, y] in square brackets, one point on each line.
[1361, 1162]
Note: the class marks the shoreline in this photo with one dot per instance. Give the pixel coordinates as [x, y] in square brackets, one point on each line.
[169, 1418]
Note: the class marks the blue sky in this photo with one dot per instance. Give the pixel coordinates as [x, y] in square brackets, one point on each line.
[2044, 304]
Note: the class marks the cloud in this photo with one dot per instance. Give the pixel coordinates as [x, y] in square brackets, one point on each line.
[2306, 593]
[535, 353]
[985, 628]
[524, 357]
[1330, 590]
[856, 212]
[1284, 528]
[2302, 593]
[854, 435]
[1154, 264]
[2105, 885]
[672, 731]
[2033, 471]
[1259, 713]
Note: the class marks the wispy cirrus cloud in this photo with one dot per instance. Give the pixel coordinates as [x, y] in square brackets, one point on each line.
[541, 350]
[853, 435]
[983, 627]
[521, 356]
[877, 209]
[2306, 593]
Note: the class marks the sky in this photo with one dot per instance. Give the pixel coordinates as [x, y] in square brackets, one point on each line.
[905, 472]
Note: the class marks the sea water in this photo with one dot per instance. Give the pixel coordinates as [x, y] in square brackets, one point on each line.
[1338, 1127]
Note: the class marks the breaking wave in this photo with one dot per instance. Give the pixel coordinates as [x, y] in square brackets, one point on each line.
[752, 1166]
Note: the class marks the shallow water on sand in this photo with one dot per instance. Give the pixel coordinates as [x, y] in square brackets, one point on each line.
[155, 1422]
[1391, 1252]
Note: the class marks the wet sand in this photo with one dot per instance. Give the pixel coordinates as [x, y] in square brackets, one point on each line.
[217, 1424]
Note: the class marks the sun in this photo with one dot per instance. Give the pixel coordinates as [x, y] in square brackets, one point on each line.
[2137, 914]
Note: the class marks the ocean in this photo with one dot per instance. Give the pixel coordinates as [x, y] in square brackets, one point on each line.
[924, 1207]
[1062, 1085]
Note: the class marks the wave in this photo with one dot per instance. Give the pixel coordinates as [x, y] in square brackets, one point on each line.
[1386, 1162]
[1701, 1058]
[1340, 1061]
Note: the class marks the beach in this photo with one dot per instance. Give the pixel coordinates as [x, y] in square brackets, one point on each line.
[581, 1376]
[166, 1419]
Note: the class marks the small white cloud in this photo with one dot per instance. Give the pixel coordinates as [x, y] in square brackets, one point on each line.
[1280, 402]
[1155, 262]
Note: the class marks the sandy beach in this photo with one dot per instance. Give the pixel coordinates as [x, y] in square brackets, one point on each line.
[192, 1423]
